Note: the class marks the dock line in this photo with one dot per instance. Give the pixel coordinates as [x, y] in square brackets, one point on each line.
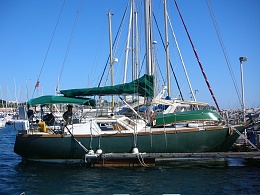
[254, 146]
[83, 147]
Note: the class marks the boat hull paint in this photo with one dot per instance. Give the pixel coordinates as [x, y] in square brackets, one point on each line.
[195, 115]
[60, 147]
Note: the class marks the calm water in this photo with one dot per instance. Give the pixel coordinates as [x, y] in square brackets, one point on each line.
[229, 177]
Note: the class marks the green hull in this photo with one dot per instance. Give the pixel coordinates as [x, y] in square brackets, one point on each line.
[58, 147]
[196, 115]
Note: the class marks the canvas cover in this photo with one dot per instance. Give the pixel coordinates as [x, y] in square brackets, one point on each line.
[143, 86]
[50, 99]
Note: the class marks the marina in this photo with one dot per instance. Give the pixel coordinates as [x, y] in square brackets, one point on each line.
[156, 122]
[207, 176]
[129, 97]
[146, 119]
[143, 159]
[93, 158]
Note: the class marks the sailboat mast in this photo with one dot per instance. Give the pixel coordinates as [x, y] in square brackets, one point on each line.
[167, 50]
[2, 101]
[133, 45]
[147, 11]
[127, 45]
[111, 54]
[15, 95]
[136, 45]
[134, 42]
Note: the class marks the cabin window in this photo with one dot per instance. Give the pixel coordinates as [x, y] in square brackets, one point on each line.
[105, 126]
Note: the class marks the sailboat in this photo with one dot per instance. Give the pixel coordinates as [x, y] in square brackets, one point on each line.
[78, 136]
[179, 132]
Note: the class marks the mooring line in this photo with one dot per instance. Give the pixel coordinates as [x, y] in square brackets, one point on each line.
[81, 145]
[254, 146]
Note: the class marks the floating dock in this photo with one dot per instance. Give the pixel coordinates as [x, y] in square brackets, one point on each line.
[151, 159]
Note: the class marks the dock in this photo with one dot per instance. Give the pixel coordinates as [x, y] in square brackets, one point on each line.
[151, 159]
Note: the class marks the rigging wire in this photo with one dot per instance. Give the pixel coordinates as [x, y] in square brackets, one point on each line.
[197, 57]
[115, 45]
[68, 48]
[177, 83]
[142, 64]
[223, 48]
[160, 70]
[182, 61]
[38, 79]
[98, 50]
[119, 30]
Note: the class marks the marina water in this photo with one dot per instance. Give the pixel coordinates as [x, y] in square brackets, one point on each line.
[230, 176]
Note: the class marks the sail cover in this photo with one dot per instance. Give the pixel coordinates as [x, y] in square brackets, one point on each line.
[142, 86]
[50, 99]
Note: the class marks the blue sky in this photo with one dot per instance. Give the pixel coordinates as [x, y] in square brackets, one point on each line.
[26, 29]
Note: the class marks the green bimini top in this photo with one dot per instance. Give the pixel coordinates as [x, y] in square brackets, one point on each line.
[195, 115]
[143, 86]
[50, 99]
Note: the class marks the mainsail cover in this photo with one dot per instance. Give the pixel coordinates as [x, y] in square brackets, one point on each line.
[143, 86]
[50, 99]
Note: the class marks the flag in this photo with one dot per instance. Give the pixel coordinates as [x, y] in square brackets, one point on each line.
[37, 84]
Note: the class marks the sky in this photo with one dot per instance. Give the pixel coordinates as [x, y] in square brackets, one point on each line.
[39, 42]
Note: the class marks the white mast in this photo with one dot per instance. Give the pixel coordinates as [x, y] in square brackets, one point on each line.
[167, 50]
[133, 43]
[136, 45]
[148, 43]
[149, 69]
[1, 96]
[15, 95]
[6, 97]
[127, 46]
[111, 55]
